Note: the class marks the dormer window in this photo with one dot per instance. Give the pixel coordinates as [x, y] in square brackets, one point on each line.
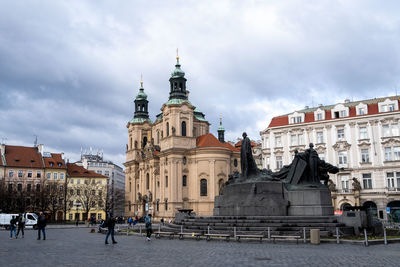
[59, 164]
[362, 109]
[340, 111]
[319, 114]
[388, 105]
[51, 164]
[296, 118]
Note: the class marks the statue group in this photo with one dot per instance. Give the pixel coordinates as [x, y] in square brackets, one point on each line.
[306, 169]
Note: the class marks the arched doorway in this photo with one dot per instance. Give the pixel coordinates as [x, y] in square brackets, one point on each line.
[394, 214]
[345, 206]
[370, 208]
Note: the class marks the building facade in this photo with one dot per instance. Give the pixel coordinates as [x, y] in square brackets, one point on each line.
[116, 178]
[360, 137]
[174, 162]
[86, 194]
[33, 180]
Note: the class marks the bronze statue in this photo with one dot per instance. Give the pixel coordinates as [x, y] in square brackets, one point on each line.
[247, 162]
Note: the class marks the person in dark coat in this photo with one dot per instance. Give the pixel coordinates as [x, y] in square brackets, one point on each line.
[41, 225]
[13, 225]
[149, 229]
[21, 225]
[110, 223]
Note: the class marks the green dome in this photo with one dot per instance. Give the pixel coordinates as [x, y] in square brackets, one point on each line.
[141, 95]
[221, 128]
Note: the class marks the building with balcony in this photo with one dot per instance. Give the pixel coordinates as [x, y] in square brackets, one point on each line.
[174, 162]
[361, 137]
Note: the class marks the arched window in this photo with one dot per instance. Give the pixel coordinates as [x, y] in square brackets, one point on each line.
[220, 185]
[183, 128]
[184, 180]
[147, 181]
[131, 143]
[235, 162]
[158, 137]
[167, 128]
[180, 87]
[203, 187]
[144, 141]
[130, 186]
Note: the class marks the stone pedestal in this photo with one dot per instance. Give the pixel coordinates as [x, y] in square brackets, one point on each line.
[252, 199]
[309, 202]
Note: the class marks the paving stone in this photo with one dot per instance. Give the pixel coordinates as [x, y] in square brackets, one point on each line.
[78, 247]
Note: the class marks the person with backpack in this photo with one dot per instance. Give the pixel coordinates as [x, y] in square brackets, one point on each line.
[41, 225]
[149, 229]
[110, 224]
[13, 223]
[21, 225]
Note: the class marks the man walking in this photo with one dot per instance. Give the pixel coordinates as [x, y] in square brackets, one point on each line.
[41, 225]
[21, 225]
[110, 223]
[13, 223]
[149, 229]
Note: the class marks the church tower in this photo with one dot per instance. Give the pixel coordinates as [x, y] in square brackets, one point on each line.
[221, 131]
[141, 104]
[177, 82]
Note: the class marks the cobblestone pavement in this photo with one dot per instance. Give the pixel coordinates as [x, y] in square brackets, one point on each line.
[78, 247]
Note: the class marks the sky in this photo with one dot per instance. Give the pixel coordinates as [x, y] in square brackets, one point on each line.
[70, 70]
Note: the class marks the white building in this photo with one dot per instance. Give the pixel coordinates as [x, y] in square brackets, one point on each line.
[116, 175]
[362, 137]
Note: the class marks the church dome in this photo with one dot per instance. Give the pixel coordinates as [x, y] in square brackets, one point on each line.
[141, 95]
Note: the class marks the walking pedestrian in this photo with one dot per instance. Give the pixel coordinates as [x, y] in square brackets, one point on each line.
[41, 225]
[110, 223]
[130, 222]
[21, 225]
[13, 223]
[149, 229]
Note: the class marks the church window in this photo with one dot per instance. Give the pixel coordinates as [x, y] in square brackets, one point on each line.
[183, 128]
[166, 204]
[158, 205]
[184, 160]
[144, 141]
[167, 128]
[158, 137]
[235, 162]
[180, 87]
[147, 181]
[130, 186]
[131, 143]
[203, 187]
[166, 181]
[184, 180]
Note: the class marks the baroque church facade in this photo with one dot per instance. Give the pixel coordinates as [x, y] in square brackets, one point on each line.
[175, 162]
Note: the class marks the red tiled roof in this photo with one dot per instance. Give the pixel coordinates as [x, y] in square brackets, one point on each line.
[210, 141]
[309, 116]
[74, 170]
[21, 156]
[54, 161]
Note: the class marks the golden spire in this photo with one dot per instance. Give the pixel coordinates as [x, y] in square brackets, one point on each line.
[141, 80]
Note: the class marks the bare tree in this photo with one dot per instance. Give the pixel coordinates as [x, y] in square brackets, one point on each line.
[89, 196]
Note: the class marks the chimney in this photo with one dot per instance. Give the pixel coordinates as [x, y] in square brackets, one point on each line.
[3, 149]
[40, 148]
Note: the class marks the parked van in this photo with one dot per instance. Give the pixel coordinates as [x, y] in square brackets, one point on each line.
[30, 220]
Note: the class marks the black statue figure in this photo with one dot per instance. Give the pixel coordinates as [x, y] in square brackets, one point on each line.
[247, 162]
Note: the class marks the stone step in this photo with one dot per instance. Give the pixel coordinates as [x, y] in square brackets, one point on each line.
[302, 224]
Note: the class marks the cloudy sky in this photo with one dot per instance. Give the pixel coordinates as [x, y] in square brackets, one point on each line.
[69, 70]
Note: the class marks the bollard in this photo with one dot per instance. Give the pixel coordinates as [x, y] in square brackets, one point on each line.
[234, 232]
[384, 235]
[140, 229]
[366, 237]
[127, 230]
[208, 230]
[181, 228]
[269, 233]
[337, 235]
[159, 227]
[315, 236]
[304, 235]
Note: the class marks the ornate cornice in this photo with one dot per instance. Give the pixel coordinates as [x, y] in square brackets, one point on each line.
[341, 146]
